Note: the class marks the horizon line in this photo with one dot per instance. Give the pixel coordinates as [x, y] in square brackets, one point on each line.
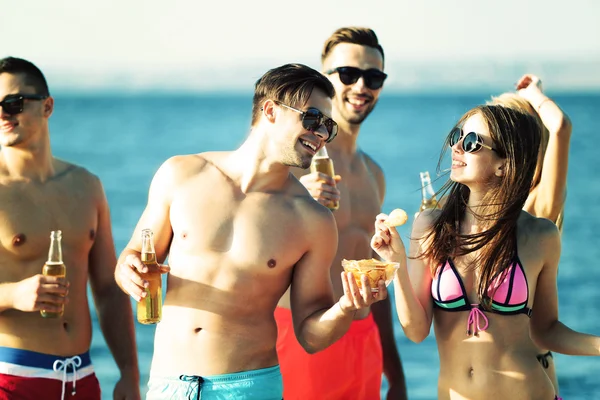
[233, 92]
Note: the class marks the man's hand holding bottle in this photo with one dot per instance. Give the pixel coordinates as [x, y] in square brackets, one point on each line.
[323, 188]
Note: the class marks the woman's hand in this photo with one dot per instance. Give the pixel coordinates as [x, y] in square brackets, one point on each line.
[386, 241]
[530, 88]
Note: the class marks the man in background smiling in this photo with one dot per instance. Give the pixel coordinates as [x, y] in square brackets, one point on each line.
[40, 358]
[351, 368]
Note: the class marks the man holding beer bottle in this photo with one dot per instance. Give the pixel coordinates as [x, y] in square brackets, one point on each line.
[352, 59]
[46, 356]
[239, 229]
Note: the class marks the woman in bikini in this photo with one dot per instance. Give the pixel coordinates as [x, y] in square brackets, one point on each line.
[549, 190]
[481, 264]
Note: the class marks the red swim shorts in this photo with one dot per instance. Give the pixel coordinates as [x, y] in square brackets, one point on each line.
[28, 375]
[351, 368]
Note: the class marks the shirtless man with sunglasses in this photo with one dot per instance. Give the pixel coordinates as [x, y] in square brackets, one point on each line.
[353, 61]
[48, 358]
[239, 229]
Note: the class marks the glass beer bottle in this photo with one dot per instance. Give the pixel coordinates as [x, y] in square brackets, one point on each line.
[322, 163]
[149, 308]
[54, 267]
[428, 199]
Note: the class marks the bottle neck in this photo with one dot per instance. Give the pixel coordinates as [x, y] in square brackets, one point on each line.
[147, 246]
[322, 153]
[427, 190]
[55, 252]
[148, 253]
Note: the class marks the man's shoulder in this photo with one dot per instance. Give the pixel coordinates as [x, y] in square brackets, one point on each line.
[300, 195]
[316, 219]
[371, 163]
[186, 161]
[183, 166]
[309, 208]
[76, 174]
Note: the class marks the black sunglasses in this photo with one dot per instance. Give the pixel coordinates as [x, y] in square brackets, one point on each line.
[471, 142]
[374, 78]
[313, 119]
[13, 103]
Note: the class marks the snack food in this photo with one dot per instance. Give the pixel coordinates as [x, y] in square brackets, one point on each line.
[375, 270]
[396, 218]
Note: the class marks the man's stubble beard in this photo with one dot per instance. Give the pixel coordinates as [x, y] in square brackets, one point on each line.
[303, 163]
[354, 119]
[292, 159]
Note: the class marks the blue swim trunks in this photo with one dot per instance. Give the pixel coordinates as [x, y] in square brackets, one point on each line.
[258, 384]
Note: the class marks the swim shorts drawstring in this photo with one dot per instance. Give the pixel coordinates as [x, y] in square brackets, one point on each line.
[62, 365]
[192, 379]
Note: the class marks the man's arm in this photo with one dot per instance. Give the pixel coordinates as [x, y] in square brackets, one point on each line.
[318, 320]
[382, 314]
[156, 218]
[311, 292]
[112, 305]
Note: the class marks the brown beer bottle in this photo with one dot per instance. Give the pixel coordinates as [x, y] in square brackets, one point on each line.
[54, 267]
[322, 163]
[149, 308]
[428, 194]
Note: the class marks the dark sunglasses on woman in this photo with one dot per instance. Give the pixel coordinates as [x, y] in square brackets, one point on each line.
[374, 78]
[313, 119]
[471, 142]
[13, 104]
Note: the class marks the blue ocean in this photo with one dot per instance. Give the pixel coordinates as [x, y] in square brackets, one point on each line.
[124, 139]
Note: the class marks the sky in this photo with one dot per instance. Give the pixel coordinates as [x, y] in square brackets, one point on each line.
[197, 45]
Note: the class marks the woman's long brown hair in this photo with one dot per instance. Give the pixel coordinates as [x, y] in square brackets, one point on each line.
[516, 137]
[517, 102]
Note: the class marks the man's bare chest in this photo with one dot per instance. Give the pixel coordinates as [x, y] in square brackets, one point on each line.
[28, 216]
[359, 199]
[248, 231]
